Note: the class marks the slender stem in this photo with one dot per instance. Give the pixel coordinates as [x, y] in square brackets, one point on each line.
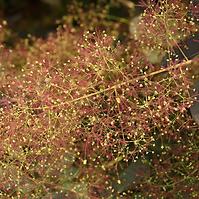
[120, 84]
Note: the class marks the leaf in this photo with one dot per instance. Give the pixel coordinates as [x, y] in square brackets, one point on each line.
[134, 173]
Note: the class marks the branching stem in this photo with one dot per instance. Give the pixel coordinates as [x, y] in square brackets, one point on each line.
[186, 63]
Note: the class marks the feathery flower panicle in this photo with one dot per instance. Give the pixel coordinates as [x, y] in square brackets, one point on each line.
[84, 107]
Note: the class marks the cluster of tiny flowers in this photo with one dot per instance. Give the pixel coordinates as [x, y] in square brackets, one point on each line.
[80, 105]
[165, 23]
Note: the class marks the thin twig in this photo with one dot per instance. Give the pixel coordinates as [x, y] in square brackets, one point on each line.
[119, 84]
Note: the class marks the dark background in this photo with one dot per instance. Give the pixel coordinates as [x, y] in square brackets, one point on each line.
[38, 17]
